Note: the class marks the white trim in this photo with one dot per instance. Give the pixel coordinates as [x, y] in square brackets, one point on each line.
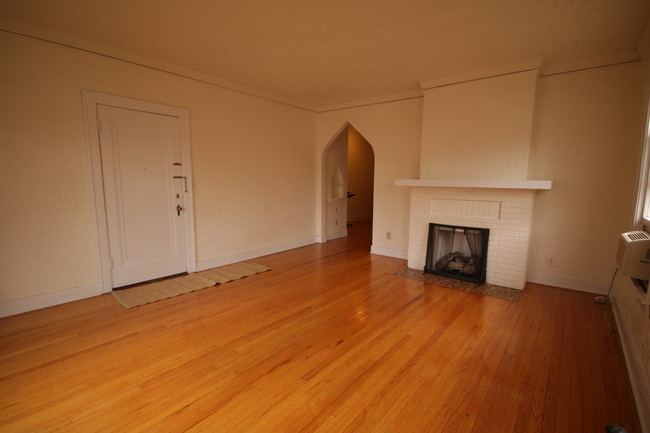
[17, 306]
[338, 235]
[142, 60]
[476, 183]
[54, 37]
[253, 254]
[323, 185]
[641, 396]
[643, 192]
[394, 97]
[90, 101]
[480, 74]
[562, 282]
[389, 252]
[188, 197]
[101, 229]
[590, 63]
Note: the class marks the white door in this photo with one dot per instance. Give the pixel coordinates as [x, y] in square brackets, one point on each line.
[143, 193]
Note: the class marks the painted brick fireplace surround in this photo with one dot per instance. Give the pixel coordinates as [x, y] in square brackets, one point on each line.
[474, 160]
[504, 207]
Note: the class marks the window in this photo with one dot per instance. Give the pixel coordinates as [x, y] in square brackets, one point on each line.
[642, 216]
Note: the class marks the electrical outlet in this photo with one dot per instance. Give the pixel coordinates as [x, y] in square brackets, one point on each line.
[389, 235]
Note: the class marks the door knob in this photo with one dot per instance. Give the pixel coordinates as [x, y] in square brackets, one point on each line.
[179, 209]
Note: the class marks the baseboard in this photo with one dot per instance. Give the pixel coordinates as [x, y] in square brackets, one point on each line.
[337, 235]
[568, 283]
[252, 254]
[22, 305]
[389, 252]
[641, 395]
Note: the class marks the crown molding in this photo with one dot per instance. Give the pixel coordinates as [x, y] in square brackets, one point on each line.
[534, 64]
[393, 97]
[140, 60]
[480, 74]
[591, 63]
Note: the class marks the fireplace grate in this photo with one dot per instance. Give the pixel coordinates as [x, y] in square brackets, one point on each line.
[457, 252]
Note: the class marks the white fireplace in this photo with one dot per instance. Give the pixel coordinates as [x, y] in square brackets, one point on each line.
[504, 207]
[474, 128]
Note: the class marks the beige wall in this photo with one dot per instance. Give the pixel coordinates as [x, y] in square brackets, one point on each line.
[632, 317]
[586, 125]
[587, 137]
[253, 162]
[361, 176]
[393, 131]
[478, 129]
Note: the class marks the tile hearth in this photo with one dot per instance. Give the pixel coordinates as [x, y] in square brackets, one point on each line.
[482, 289]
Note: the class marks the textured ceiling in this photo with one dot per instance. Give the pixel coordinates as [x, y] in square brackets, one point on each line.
[327, 52]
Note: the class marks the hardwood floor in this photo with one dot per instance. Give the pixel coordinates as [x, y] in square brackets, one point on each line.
[328, 341]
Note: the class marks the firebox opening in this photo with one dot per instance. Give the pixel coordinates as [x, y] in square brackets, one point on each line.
[457, 252]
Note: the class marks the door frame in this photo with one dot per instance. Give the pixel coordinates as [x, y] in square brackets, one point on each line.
[90, 102]
[324, 183]
[335, 146]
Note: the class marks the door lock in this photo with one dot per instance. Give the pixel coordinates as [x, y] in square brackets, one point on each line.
[184, 181]
[179, 209]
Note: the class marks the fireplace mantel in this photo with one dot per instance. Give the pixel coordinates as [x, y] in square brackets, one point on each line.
[473, 183]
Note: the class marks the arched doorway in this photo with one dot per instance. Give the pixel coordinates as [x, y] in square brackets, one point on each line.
[349, 182]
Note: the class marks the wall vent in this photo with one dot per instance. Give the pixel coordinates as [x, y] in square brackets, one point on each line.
[636, 236]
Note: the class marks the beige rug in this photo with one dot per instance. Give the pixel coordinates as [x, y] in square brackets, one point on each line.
[159, 290]
[235, 271]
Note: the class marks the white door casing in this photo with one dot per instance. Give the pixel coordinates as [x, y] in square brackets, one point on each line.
[143, 197]
[336, 172]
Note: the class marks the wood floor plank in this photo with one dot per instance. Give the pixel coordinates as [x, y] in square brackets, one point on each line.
[330, 340]
[473, 378]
